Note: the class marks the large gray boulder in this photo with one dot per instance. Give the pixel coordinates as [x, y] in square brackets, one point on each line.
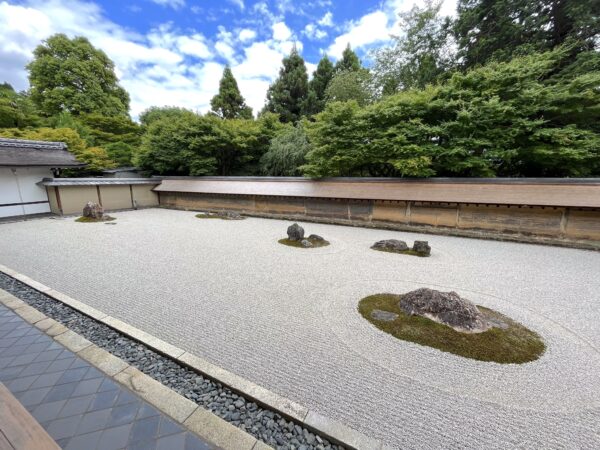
[447, 308]
[295, 232]
[93, 210]
[390, 245]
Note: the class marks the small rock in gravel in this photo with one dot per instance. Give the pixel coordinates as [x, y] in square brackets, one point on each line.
[315, 237]
[384, 316]
[305, 243]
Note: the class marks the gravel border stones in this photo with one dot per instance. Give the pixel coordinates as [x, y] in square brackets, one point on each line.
[266, 425]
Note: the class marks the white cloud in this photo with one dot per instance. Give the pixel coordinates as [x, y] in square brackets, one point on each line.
[326, 20]
[226, 51]
[281, 32]
[238, 3]
[175, 4]
[372, 28]
[311, 31]
[246, 35]
[194, 46]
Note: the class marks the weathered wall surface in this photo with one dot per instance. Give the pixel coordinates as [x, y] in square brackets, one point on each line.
[68, 198]
[550, 224]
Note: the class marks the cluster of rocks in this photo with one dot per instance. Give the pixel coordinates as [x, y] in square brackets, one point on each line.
[420, 248]
[264, 424]
[296, 234]
[225, 215]
[93, 211]
[447, 308]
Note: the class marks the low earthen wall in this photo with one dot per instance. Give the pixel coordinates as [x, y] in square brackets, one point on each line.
[559, 225]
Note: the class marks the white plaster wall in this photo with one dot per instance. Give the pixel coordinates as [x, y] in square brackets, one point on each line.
[18, 185]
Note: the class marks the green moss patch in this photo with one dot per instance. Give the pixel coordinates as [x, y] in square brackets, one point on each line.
[403, 252]
[314, 242]
[514, 345]
[90, 220]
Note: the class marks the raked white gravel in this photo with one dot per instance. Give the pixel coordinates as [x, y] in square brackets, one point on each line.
[286, 319]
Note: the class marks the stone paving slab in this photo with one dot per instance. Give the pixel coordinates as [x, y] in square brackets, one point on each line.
[79, 406]
[287, 319]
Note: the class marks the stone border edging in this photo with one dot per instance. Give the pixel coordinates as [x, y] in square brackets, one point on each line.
[200, 421]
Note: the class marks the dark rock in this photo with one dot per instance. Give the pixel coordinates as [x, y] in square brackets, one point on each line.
[422, 248]
[93, 210]
[315, 237]
[447, 308]
[231, 215]
[306, 243]
[390, 245]
[384, 316]
[295, 232]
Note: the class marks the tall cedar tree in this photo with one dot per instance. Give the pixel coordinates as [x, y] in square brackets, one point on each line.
[229, 103]
[287, 95]
[71, 75]
[349, 61]
[315, 102]
[501, 29]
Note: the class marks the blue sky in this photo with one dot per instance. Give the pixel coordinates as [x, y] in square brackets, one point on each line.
[172, 52]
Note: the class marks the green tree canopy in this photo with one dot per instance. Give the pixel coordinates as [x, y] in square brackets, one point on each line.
[206, 145]
[315, 101]
[501, 29]
[287, 95]
[348, 62]
[229, 103]
[71, 75]
[155, 113]
[286, 153]
[536, 115]
[419, 56]
[16, 108]
[350, 85]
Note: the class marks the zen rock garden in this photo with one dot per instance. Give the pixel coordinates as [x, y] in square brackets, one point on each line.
[419, 248]
[296, 238]
[448, 322]
[93, 212]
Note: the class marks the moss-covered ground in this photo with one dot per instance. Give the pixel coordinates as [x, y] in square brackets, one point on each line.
[516, 344]
[91, 220]
[314, 242]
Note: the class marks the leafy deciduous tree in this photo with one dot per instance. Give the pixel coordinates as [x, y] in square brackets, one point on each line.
[419, 56]
[72, 75]
[286, 153]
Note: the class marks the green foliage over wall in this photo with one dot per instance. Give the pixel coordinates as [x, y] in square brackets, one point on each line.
[516, 118]
[206, 145]
[286, 153]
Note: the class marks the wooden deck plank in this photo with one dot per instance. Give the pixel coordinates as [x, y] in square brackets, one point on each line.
[18, 429]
